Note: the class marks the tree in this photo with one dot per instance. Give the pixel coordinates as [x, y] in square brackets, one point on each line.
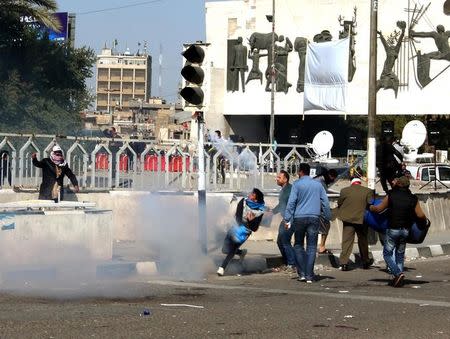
[42, 83]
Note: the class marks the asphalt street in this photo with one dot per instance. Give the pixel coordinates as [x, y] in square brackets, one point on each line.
[357, 304]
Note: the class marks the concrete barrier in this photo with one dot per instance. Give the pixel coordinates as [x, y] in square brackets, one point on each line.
[128, 209]
[53, 237]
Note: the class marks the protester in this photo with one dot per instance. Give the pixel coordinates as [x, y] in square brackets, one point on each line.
[54, 168]
[218, 145]
[307, 202]
[326, 178]
[352, 204]
[249, 213]
[388, 162]
[284, 235]
[403, 171]
[404, 209]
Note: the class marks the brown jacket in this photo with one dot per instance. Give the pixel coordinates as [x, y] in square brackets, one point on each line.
[352, 203]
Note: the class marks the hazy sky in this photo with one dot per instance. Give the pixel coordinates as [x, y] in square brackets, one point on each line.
[165, 23]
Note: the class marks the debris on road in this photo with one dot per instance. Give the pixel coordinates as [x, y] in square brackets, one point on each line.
[146, 312]
[182, 305]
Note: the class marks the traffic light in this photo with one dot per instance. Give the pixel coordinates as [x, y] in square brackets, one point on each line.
[193, 74]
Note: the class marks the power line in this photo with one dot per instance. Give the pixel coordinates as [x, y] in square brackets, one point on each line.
[119, 7]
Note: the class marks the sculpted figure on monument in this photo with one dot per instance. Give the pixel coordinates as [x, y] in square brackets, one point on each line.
[280, 64]
[255, 73]
[323, 36]
[440, 37]
[349, 30]
[238, 66]
[300, 45]
[261, 41]
[388, 79]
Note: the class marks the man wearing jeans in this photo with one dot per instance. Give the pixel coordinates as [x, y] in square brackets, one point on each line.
[404, 208]
[284, 235]
[308, 200]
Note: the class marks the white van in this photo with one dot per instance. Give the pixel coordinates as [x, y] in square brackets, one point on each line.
[426, 172]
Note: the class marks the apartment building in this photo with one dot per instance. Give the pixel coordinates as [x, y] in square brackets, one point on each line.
[122, 78]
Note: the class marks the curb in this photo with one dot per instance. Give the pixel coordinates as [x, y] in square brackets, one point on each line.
[260, 263]
[256, 263]
[377, 255]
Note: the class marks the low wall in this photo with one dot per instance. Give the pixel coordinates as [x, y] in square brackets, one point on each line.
[131, 216]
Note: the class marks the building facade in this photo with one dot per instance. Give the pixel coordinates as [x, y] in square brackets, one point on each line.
[421, 82]
[122, 78]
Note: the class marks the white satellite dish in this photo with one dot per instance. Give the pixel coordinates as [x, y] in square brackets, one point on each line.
[414, 134]
[323, 143]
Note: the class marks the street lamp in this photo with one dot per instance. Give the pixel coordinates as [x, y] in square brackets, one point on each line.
[271, 18]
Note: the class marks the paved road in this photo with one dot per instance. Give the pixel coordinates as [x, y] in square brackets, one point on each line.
[341, 304]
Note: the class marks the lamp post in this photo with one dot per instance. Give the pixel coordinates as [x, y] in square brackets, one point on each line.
[371, 140]
[271, 18]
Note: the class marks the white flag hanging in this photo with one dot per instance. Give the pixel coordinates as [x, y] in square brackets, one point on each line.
[326, 76]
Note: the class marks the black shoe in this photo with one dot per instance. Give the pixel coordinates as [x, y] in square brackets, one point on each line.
[367, 264]
[344, 268]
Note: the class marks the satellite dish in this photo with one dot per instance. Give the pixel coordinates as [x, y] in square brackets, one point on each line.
[323, 143]
[414, 134]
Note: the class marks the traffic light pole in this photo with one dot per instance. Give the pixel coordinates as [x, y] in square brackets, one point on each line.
[371, 137]
[202, 229]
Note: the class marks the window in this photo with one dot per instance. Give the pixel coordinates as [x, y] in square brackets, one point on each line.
[425, 176]
[444, 173]
[232, 27]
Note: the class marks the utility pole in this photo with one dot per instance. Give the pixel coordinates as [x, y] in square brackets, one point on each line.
[272, 79]
[371, 137]
[201, 183]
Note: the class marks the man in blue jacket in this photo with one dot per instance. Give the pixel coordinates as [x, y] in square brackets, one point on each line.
[307, 202]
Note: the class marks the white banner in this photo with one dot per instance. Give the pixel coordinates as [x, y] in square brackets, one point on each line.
[326, 76]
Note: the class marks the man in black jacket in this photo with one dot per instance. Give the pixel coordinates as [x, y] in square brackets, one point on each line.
[249, 213]
[54, 168]
[404, 208]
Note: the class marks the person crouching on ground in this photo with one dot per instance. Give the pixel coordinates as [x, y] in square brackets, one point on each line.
[404, 208]
[54, 168]
[249, 213]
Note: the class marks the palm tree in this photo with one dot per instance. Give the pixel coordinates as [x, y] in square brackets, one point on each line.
[41, 10]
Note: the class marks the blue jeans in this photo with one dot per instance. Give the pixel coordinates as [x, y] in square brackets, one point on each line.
[306, 227]
[394, 249]
[284, 244]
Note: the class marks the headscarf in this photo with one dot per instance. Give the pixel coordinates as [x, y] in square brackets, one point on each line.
[57, 156]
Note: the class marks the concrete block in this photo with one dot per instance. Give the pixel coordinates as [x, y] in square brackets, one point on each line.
[146, 268]
[446, 248]
[412, 252]
[377, 256]
[436, 250]
[424, 252]
[116, 270]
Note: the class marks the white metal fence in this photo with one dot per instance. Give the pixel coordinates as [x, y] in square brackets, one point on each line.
[104, 164]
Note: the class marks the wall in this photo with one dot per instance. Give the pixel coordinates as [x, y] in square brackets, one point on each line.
[131, 218]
